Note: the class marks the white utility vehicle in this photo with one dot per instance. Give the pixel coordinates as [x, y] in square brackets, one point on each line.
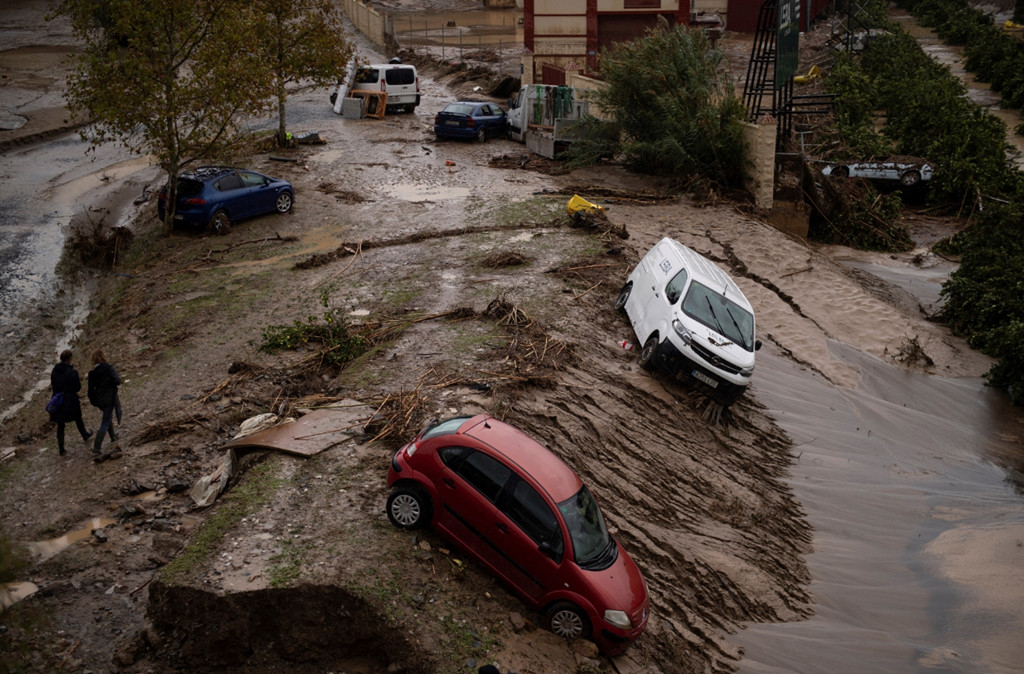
[691, 319]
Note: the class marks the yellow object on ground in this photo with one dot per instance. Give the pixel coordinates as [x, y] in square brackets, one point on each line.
[812, 74]
[578, 203]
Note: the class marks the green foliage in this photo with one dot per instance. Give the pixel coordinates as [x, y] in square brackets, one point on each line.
[984, 297]
[667, 101]
[300, 40]
[336, 341]
[870, 223]
[927, 115]
[993, 55]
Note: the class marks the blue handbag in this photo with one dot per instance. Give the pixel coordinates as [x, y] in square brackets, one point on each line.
[55, 402]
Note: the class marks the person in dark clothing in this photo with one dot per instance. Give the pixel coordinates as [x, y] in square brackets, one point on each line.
[64, 379]
[103, 383]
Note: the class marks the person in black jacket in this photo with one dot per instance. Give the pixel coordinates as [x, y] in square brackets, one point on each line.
[64, 379]
[103, 383]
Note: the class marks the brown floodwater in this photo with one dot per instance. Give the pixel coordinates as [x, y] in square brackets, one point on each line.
[913, 484]
[46, 549]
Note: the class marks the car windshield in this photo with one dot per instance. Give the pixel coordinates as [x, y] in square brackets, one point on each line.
[592, 545]
[720, 313]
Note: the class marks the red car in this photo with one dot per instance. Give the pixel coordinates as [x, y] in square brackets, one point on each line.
[525, 515]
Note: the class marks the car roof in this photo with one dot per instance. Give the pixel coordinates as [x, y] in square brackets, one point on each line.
[533, 458]
[707, 272]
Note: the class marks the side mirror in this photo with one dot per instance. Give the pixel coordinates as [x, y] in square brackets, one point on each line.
[757, 345]
[545, 549]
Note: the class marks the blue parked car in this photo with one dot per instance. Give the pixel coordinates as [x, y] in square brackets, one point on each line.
[470, 119]
[212, 197]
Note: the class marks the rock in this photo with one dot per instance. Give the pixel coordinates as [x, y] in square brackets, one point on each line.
[175, 484]
[99, 535]
[129, 511]
[583, 648]
[518, 621]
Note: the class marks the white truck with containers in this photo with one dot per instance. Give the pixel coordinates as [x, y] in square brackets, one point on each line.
[691, 319]
[543, 115]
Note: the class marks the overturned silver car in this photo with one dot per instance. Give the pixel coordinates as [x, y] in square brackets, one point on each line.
[907, 171]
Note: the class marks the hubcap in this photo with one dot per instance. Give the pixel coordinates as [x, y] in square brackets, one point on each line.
[406, 509]
[567, 624]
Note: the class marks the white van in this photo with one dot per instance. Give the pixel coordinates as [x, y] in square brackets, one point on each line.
[692, 320]
[399, 81]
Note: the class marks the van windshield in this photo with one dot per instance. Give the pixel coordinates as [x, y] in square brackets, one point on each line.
[720, 313]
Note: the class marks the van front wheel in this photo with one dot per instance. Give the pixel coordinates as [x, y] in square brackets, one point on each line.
[648, 354]
[620, 301]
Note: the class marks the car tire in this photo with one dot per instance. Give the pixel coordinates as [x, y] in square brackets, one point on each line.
[840, 172]
[481, 135]
[620, 301]
[649, 353]
[220, 223]
[568, 621]
[410, 107]
[284, 202]
[910, 178]
[408, 507]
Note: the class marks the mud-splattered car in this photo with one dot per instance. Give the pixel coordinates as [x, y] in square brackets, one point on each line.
[525, 515]
[907, 171]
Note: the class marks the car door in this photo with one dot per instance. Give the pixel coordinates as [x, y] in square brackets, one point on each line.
[494, 119]
[259, 199]
[655, 310]
[530, 535]
[467, 489]
[232, 196]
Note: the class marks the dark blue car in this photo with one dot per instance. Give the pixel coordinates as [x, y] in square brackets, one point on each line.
[470, 120]
[212, 197]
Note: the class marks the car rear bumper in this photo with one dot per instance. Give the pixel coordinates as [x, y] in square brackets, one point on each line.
[454, 132]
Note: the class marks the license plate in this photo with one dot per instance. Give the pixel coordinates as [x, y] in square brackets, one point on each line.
[700, 376]
[452, 122]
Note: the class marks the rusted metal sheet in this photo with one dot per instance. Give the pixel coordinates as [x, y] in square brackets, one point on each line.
[310, 434]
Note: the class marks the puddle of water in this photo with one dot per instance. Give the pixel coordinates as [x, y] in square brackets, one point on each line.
[419, 193]
[12, 593]
[150, 495]
[46, 549]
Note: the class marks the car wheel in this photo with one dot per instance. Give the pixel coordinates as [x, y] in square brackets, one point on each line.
[620, 302]
[910, 178]
[408, 508]
[410, 107]
[220, 223]
[568, 621]
[648, 353]
[841, 172]
[284, 202]
[481, 135]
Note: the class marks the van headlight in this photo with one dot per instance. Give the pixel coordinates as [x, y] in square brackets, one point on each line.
[683, 333]
[618, 619]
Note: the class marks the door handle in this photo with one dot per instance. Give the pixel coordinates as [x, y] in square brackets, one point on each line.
[448, 482]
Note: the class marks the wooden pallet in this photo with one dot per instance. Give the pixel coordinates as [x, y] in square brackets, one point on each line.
[376, 102]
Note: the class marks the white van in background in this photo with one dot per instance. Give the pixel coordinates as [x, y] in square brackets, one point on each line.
[692, 320]
[400, 82]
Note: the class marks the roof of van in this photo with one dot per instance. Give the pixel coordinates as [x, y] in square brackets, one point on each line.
[707, 272]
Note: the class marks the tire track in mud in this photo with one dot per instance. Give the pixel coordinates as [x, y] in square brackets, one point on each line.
[718, 536]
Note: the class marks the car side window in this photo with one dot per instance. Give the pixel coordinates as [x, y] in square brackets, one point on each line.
[231, 182]
[528, 510]
[367, 75]
[450, 455]
[251, 179]
[487, 475]
[674, 289]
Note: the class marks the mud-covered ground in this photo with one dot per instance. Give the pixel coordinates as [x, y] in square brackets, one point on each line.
[296, 567]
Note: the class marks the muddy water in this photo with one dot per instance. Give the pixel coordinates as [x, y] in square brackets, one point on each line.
[46, 549]
[12, 593]
[913, 485]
